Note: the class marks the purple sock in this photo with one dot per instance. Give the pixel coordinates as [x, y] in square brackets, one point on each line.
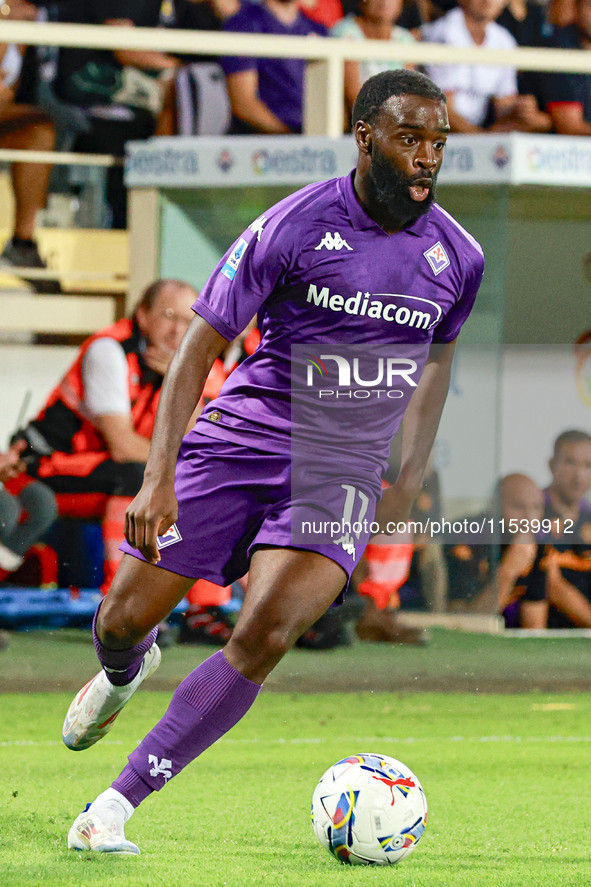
[121, 666]
[205, 705]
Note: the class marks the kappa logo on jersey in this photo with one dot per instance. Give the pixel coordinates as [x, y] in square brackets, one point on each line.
[160, 768]
[257, 226]
[231, 266]
[437, 258]
[333, 241]
[171, 536]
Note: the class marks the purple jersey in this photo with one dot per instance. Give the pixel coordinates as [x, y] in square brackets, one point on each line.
[280, 81]
[319, 272]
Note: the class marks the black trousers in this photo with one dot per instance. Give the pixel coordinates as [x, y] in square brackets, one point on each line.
[109, 137]
[112, 478]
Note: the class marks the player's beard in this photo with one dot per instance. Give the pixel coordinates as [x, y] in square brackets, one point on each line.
[391, 190]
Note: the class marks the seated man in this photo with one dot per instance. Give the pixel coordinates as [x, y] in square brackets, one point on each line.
[123, 93]
[93, 435]
[36, 501]
[568, 96]
[491, 570]
[267, 94]
[559, 589]
[24, 126]
[473, 91]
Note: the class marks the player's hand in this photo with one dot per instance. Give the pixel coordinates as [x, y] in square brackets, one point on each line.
[153, 511]
[158, 358]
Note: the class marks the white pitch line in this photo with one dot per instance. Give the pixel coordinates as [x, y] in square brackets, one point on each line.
[319, 740]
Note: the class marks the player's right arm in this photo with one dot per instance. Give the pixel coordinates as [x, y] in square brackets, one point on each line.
[243, 279]
[155, 508]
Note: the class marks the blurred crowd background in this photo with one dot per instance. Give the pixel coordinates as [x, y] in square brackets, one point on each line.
[67, 476]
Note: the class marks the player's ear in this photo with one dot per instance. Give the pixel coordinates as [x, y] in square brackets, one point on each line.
[363, 136]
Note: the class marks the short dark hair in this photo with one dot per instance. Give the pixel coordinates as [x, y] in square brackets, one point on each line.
[573, 436]
[379, 88]
[151, 293]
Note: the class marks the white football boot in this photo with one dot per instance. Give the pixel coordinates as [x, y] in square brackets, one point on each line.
[101, 826]
[95, 707]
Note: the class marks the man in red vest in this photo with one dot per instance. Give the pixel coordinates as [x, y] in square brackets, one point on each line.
[93, 435]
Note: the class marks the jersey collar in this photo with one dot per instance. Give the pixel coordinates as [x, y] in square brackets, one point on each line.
[360, 221]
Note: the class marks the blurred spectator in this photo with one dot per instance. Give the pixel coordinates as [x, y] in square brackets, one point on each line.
[323, 12]
[483, 576]
[267, 95]
[428, 574]
[528, 23]
[569, 95]
[380, 574]
[571, 481]
[481, 97]
[561, 12]
[559, 591]
[122, 93]
[24, 126]
[24, 517]
[93, 435]
[205, 621]
[414, 12]
[202, 106]
[376, 20]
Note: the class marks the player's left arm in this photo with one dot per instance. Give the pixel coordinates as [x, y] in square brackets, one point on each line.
[423, 413]
[419, 428]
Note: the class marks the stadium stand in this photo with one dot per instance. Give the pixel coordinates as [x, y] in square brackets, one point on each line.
[322, 113]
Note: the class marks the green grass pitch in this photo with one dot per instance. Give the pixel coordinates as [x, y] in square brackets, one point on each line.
[507, 778]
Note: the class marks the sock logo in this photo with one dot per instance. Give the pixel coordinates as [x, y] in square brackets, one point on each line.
[160, 768]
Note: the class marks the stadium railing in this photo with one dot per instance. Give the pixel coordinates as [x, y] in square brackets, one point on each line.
[324, 88]
[325, 74]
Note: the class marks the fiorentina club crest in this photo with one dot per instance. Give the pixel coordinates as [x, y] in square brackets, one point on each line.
[437, 258]
[171, 536]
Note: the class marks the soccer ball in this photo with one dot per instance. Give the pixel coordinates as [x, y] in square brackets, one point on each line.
[369, 809]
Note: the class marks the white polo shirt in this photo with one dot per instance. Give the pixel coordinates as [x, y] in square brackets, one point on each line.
[105, 379]
[473, 85]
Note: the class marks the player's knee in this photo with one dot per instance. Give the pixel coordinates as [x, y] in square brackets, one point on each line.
[120, 627]
[258, 650]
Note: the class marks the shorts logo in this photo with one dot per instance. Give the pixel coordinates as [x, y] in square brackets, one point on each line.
[171, 536]
[437, 258]
[231, 266]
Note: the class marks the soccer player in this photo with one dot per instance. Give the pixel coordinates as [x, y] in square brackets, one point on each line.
[365, 260]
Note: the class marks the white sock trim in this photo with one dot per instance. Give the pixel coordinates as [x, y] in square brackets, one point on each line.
[111, 796]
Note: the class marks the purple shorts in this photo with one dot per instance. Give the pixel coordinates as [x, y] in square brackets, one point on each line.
[233, 499]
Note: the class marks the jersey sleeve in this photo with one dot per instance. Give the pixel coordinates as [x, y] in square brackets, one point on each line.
[507, 84]
[239, 23]
[449, 327]
[245, 277]
[104, 375]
